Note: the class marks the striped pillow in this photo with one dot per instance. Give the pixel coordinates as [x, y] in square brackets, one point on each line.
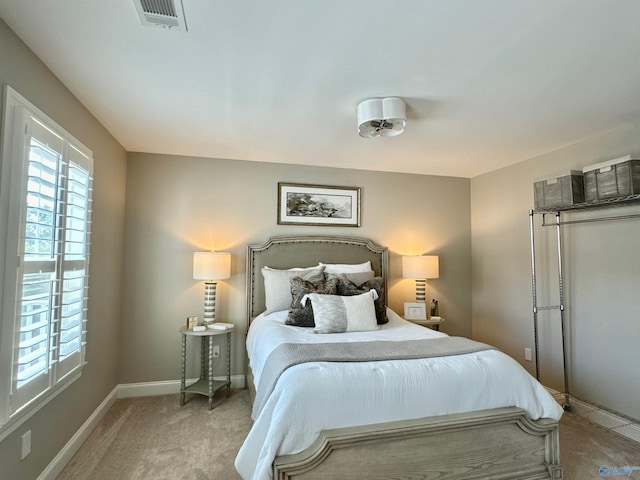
[338, 314]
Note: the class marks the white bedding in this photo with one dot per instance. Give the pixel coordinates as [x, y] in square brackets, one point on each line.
[312, 397]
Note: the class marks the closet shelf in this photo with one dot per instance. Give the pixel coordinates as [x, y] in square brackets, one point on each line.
[610, 202]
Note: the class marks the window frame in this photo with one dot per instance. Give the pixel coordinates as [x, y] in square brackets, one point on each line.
[13, 188]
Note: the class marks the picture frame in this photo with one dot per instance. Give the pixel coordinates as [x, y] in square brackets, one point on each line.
[415, 311]
[192, 322]
[321, 205]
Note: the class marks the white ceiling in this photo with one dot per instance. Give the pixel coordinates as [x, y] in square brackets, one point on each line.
[487, 83]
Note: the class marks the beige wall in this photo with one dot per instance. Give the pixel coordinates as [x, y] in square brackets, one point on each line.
[178, 205]
[55, 424]
[602, 267]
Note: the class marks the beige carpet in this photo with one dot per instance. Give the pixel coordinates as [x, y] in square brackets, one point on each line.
[154, 438]
[586, 447]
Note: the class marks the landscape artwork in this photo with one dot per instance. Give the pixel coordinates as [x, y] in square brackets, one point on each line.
[300, 204]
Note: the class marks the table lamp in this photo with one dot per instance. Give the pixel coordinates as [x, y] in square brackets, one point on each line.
[211, 266]
[420, 268]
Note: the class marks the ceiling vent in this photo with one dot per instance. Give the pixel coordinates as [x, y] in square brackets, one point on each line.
[167, 14]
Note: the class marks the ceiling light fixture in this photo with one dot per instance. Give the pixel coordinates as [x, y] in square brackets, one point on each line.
[381, 117]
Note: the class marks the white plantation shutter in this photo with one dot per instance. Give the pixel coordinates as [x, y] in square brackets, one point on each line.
[47, 260]
[74, 289]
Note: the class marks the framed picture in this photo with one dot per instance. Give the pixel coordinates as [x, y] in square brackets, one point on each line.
[192, 322]
[415, 311]
[300, 204]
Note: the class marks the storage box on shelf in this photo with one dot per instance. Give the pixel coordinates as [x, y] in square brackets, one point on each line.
[615, 178]
[561, 191]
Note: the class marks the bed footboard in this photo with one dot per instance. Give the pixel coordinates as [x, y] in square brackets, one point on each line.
[490, 444]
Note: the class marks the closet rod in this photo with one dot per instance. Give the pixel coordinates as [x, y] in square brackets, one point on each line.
[589, 220]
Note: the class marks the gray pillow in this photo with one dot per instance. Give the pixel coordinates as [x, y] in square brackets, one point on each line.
[347, 288]
[302, 315]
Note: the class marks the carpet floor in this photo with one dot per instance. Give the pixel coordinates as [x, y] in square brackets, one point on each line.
[154, 438]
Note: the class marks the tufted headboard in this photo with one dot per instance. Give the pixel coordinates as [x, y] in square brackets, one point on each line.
[306, 251]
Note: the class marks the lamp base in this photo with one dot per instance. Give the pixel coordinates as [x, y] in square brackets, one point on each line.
[421, 289]
[209, 303]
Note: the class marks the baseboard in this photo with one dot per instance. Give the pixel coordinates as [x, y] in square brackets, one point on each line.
[148, 389]
[167, 387]
[73, 445]
[616, 422]
[126, 390]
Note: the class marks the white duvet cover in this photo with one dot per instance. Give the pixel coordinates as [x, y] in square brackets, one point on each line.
[312, 397]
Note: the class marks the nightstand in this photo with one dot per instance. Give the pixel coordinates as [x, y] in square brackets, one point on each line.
[205, 385]
[433, 322]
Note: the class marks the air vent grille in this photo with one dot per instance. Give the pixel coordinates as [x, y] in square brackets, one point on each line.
[159, 7]
[166, 14]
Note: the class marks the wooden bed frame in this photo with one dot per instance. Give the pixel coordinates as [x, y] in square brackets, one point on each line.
[482, 445]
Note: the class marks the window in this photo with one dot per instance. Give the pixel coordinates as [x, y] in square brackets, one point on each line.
[45, 218]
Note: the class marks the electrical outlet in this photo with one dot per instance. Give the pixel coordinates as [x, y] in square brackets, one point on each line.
[26, 445]
[527, 355]
[216, 351]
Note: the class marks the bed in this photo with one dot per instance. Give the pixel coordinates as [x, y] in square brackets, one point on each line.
[476, 414]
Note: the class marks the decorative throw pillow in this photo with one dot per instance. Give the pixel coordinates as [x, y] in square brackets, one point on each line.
[277, 289]
[302, 315]
[346, 267]
[336, 314]
[346, 287]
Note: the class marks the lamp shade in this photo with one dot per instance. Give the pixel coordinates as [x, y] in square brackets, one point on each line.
[211, 265]
[420, 266]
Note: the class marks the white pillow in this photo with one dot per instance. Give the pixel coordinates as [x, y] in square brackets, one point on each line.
[277, 286]
[346, 268]
[337, 314]
[356, 277]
